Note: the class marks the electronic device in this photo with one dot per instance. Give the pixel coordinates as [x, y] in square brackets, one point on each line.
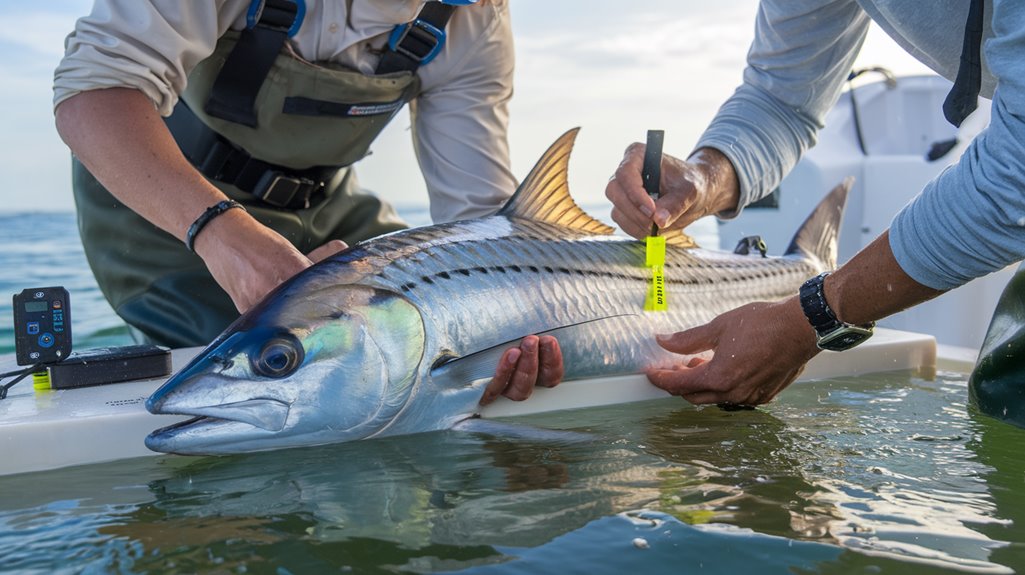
[105, 365]
[42, 325]
[42, 329]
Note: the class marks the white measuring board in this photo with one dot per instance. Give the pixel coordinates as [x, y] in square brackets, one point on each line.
[42, 430]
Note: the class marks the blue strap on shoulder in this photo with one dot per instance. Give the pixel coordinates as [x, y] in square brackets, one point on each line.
[416, 43]
[256, 9]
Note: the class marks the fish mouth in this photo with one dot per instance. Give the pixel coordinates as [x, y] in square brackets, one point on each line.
[264, 413]
[170, 430]
[218, 430]
[202, 435]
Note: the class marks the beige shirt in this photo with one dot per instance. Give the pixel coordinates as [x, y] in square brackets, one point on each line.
[460, 120]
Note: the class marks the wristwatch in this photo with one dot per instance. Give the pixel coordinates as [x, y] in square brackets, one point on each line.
[833, 334]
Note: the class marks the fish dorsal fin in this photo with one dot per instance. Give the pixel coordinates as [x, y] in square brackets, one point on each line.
[679, 239]
[544, 194]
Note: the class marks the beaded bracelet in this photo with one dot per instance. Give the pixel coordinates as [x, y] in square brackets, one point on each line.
[204, 219]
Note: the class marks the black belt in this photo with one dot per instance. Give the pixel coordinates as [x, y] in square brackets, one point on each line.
[218, 159]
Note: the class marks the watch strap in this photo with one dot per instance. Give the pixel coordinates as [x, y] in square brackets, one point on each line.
[817, 310]
[204, 219]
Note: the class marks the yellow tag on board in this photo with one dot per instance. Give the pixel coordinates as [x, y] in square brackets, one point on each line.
[41, 380]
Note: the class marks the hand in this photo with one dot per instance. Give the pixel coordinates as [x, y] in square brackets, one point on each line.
[327, 250]
[758, 350]
[537, 361]
[703, 185]
[249, 260]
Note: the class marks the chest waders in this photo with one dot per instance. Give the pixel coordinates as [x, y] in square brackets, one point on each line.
[997, 384]
[274, 132]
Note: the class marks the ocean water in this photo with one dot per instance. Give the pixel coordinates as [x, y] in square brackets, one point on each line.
[889, 473]
[43, 249]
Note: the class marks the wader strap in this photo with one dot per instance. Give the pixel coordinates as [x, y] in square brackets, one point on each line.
[416, 43]
[233, 96]
[963, 98]
[218, 159]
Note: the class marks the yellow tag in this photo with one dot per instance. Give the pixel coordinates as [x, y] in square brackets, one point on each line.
[656, 300]
[655, 258]
[41, 380]
[655, 251]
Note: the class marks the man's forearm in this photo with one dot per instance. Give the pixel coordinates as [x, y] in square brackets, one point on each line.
[872, 286]
[118, 135]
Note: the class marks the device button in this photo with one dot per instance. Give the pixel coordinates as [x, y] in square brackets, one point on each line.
[46, 340]
[32, 327]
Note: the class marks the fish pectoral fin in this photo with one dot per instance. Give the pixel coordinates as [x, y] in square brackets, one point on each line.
[480, 365]
[506, 430]
[469, 369]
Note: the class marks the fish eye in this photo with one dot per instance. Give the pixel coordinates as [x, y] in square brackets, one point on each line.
[279, 357]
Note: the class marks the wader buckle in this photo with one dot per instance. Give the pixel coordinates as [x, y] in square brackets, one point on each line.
[286, 191]
[418, 40]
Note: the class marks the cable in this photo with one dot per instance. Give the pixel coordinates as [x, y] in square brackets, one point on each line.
[891, 83]
[20, 375]
[18, 371]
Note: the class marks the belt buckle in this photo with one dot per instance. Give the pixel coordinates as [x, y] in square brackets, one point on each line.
[283, 191]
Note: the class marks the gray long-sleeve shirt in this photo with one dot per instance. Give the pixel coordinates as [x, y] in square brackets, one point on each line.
[967, 222]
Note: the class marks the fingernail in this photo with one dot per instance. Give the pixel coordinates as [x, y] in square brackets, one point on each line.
[662, 217]
[646, 210]
[530, 343]
[513, 357]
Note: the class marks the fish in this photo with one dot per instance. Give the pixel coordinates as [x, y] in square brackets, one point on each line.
[400, 334]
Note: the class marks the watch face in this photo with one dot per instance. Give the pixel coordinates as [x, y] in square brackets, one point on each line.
[844, 338]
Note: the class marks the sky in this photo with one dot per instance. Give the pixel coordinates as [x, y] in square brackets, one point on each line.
[612, 68]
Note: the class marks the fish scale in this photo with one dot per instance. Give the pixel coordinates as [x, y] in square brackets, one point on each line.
[600, 278]
[400, 334]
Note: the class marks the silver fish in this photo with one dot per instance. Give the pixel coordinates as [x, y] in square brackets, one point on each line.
[400, 334]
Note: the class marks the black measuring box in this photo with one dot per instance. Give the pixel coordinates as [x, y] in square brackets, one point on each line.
[42, 325]
[105, 365]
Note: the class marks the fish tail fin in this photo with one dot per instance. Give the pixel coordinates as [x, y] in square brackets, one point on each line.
[817, 236]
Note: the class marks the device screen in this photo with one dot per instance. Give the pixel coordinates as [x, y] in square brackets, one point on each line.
[36, 306]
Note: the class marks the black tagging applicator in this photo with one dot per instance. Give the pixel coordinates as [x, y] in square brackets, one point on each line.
[655, 245]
